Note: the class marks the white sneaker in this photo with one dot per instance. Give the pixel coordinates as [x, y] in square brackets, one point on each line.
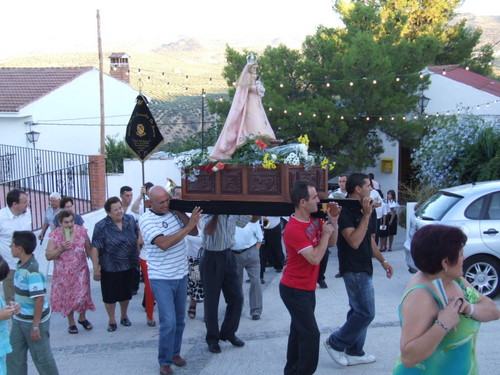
[338, 357]
[353, 360]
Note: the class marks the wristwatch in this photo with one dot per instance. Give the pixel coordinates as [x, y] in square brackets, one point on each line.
[35, 329]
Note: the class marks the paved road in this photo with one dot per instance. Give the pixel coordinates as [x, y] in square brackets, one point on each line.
[132, 350]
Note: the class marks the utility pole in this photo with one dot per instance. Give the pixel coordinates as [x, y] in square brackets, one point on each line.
[101, 86]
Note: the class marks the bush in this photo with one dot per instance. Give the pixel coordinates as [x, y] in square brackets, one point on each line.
[413, 193]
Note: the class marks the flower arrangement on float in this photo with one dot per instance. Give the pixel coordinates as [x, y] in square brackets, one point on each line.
[256, 151]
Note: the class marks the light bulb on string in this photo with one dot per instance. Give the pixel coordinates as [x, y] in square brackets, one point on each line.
[300, 113]
[328, 84]
[374, 81]
[397, 79]
[341, 117]
[421, 76]
[392, 118]
[285, 111]
[281, 85]
[270, 109]
[351, 83]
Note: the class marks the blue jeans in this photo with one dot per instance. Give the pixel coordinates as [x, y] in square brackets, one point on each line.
[170, 297]
[351, 336]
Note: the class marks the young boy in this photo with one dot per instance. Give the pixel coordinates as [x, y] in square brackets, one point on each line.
[30, 328]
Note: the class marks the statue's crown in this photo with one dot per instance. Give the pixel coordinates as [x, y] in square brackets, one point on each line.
[252, 58]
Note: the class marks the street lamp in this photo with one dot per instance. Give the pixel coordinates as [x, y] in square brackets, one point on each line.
[424, 100]
[32, 137]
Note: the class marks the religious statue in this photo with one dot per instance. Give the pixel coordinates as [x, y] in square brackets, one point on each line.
[246, 116]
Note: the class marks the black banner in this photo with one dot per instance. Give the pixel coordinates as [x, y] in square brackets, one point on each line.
[143, 135]
[251, 208]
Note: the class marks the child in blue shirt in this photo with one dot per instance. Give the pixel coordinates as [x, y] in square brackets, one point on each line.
[6, 312]
[30, 328]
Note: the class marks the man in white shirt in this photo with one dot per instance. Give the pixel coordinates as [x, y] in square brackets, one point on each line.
[247, 241]
[163, 231]
[15, 217]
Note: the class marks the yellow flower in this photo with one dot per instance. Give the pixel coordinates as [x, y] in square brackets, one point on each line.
[304, 139]
[324, 163]
[268, 162]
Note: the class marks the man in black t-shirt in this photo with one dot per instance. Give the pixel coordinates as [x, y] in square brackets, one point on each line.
[356, 248]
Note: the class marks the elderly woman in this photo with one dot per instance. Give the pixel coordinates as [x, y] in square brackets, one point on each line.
[116, 238]
[440, 312]
[68, 247]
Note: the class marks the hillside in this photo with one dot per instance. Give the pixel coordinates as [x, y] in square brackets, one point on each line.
[175, 74]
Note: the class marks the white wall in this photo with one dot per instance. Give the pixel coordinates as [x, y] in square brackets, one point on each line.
[155, 170]
[69, 118]
[449, 95]
[387, 181]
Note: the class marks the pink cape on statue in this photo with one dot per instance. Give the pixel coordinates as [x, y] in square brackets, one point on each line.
[246, 117]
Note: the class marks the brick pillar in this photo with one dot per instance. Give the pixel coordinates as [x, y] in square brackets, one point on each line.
[97, 176]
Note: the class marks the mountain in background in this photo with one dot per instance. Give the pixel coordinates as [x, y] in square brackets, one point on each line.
[174, 74]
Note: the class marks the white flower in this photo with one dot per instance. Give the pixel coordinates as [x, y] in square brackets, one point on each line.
[292, 159]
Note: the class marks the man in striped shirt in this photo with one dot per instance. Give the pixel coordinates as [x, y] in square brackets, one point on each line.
[163, 232]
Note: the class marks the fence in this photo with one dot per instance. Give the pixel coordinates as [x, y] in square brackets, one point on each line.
[41, 172]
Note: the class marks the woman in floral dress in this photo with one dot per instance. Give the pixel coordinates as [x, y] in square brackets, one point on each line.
[69, 246]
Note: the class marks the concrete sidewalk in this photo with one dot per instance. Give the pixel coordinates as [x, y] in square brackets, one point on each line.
[133, 350]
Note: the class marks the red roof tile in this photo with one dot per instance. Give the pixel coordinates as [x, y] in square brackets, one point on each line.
[480, 82]
[22, 86]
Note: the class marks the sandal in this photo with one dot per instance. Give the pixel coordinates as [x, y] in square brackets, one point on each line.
[86, 324]
[73, 330]
[151, 323]
[192, 311]
[111, 327]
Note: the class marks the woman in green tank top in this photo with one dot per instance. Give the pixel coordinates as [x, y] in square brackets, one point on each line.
[440, 311]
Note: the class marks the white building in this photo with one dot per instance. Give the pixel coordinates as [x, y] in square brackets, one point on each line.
[452, 91]
[63, 106]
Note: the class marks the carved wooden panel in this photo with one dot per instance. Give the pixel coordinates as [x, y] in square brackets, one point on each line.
[232, 181]
[205, 183]
[264, 181]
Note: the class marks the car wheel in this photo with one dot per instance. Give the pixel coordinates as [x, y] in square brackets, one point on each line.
[483, 271]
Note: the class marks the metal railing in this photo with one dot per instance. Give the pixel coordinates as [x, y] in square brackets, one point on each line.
[19, 162]
[41, 172]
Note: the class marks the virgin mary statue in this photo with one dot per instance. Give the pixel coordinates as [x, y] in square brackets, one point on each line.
[246, 116]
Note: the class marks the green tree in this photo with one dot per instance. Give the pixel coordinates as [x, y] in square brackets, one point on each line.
[116, 151]
[349, 83]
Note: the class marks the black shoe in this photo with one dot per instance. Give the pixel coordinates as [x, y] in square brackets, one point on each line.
[255, 317]
[278, 270]
[322, 284]
[235, 341]
[338, 276]
[262, 281]
[214, 348]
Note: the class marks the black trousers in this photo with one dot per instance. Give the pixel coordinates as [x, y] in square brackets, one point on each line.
[322, 265]
[271, 251]
[219, 273]
[303, 341]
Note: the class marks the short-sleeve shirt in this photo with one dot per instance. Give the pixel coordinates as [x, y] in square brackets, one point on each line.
[30, 284]
[299, 235]
[223, 237]
[170, 264]
[50, 215]
[360, 259]
[117, 248]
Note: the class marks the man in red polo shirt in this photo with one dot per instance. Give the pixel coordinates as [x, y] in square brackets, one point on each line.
[306, 240]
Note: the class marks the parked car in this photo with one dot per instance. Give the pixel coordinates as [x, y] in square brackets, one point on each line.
[475, 208]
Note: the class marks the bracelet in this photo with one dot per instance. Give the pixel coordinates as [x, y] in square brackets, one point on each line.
[384, 262]
[442, 325]
[469, 315]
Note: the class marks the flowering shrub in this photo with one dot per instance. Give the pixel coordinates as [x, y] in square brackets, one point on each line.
[441, 150]
[255, 151]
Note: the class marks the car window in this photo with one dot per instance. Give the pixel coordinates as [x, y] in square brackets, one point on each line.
[473, 212]
[494, 209]
[437, 206]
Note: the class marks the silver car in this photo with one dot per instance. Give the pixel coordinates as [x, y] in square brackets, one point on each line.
[475, 208]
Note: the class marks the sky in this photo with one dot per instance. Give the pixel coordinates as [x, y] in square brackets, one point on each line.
[34, 26]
